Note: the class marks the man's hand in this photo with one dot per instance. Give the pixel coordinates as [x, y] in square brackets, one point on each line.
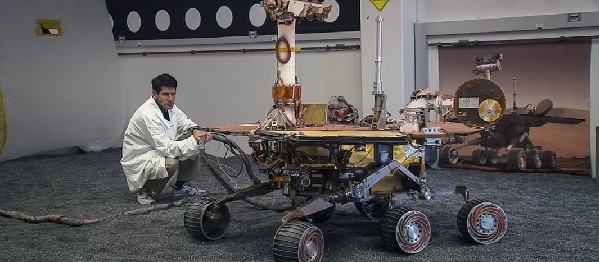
[201, 137]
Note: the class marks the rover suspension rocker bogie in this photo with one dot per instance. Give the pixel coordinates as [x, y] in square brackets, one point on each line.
[380, 172]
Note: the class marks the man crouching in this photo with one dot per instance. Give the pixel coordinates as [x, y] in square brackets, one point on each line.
[159, 141]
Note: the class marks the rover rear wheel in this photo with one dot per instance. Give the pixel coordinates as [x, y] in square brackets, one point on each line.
[492, 156]
[482, 221]
[204, 220]
[516, 160]
[320, 216]
[406, 230]
[449, 155]
[298, 241]
[479, 157]
[533, 159]
[548, 159]
[374, 209]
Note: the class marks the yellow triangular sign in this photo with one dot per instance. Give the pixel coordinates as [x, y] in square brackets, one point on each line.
[379, 4]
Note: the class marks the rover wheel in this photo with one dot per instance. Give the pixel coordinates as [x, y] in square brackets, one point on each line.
[298, 241]
[374, 209]
[478, 157]
[516, 160]
[449, 155]
[482, 221]
[533, 160]
[359, 208]
[492, 157]
[204, 220]
[320, 216]
[406, 230]
[548, 159]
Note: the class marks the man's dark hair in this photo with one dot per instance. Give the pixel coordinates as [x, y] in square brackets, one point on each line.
[163, 80]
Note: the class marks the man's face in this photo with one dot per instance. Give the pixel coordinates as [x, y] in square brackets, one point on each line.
[166, 97]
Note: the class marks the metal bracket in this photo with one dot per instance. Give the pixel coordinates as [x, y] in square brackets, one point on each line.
[361, 191]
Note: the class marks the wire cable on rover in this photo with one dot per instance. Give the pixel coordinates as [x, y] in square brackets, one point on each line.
[246, 164]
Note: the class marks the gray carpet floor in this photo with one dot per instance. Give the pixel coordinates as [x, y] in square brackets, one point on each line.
[552, 217]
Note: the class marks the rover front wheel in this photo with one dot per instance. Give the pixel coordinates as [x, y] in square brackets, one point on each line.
[482, 221]
[204, 220]
[406, 230]
[298, 241]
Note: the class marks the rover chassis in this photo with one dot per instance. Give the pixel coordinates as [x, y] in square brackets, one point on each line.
[376, 171]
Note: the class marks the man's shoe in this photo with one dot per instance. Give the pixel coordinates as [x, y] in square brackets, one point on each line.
[188, 190]
[144, 197]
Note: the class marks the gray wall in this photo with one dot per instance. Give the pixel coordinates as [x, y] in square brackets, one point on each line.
[59, 91]
[236, 88]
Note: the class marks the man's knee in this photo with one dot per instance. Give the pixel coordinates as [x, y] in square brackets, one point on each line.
[172, 165]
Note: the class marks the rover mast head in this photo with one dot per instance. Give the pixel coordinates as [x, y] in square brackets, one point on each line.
[488, 65]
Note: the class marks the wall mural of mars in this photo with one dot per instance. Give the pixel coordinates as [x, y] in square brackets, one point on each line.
[555, 71]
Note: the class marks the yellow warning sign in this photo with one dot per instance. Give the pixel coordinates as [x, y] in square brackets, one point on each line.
[47, 27]
[379, 4]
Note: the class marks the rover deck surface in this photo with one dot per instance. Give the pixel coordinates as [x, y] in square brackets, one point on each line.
[325, 132]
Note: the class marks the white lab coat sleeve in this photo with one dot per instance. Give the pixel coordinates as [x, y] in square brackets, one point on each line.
[160, 140]
[183, 123]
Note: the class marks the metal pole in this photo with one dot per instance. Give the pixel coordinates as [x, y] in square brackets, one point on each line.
[514, 106]
[378, 84]
[379, 112]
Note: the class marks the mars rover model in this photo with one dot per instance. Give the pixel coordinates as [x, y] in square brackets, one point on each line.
[374, 168]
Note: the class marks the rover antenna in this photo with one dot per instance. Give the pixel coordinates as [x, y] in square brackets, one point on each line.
[379, 116]
[514, 107]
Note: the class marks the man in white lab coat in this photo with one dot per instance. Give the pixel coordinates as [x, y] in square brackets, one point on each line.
[159, 141]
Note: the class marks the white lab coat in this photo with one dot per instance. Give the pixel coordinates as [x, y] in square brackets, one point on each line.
[149, 138]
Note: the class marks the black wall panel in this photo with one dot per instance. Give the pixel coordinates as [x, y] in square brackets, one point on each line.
[348, 20]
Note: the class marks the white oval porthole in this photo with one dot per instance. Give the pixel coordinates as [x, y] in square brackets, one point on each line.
[133, 22]
[257, 15]
[193, 19]
[224, 17]
[163, 20]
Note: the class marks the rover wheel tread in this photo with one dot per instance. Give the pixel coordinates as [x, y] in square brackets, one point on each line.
[298, 241]
[204, 221]
[405, 230]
